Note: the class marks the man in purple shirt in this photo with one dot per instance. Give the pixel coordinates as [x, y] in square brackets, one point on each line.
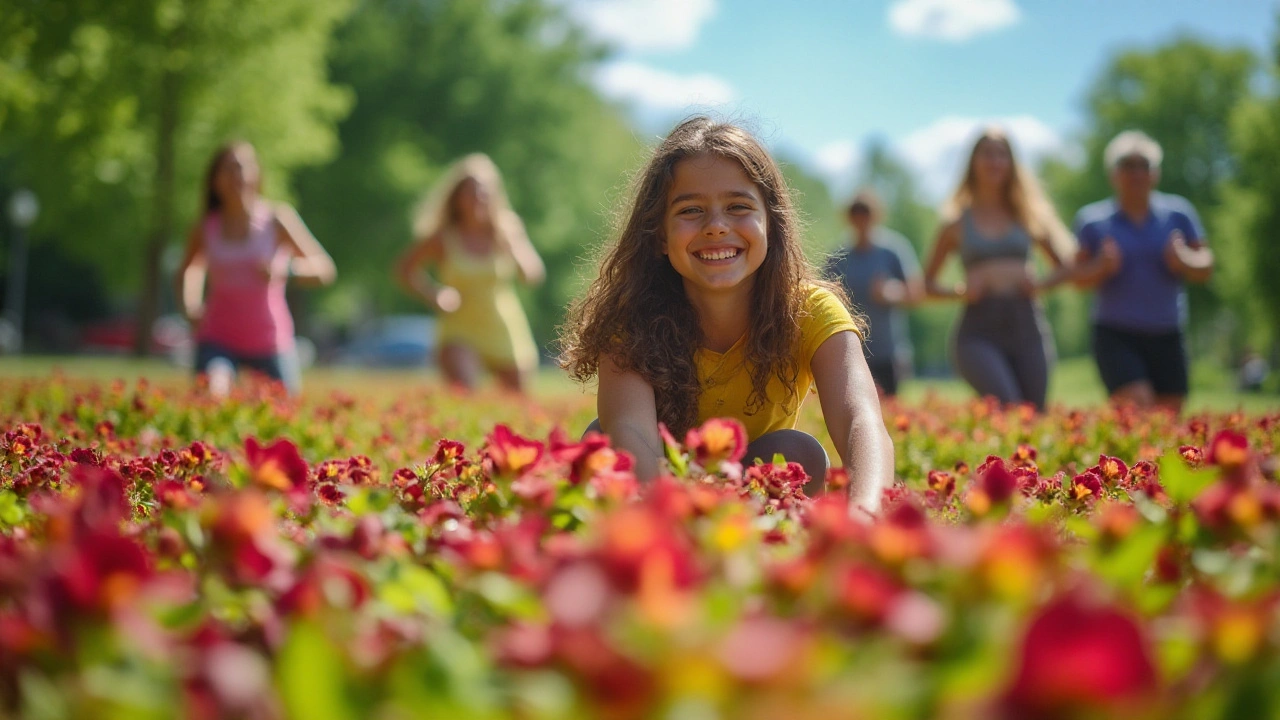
[1138, 249]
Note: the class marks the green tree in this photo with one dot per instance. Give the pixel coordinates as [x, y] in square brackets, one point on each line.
[1183, 94]
[1249, 218]
[110, 111]
[436, 80]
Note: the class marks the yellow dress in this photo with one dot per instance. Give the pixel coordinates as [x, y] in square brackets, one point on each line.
[489, 319]
[726, 383]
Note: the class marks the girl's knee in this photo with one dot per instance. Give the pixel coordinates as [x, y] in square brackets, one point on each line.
[795, 446]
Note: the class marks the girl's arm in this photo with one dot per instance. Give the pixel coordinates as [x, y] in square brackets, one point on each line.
[629, 416]
[1060, 269]
[528, 262]
[310, 263]
[948, 241]
[188, 281]
[851, 409]
[408, 270]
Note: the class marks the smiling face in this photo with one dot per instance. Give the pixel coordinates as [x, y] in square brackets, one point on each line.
[716, 226]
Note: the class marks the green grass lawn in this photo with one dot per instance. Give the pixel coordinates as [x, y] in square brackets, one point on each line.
[1074, 383]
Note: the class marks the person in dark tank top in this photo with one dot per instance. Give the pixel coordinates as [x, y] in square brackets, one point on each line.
[1002, 345]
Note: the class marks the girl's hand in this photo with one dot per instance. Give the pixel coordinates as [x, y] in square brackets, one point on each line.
[1030, 285]
[447, 299]
[193, 315]
[972, 292]
[888, 291]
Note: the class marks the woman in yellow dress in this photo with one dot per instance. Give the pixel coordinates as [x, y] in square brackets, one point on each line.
[467, 234]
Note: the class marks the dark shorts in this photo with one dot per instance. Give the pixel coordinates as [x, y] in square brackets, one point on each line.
[282, 367]
[885, 373]
[1125, 357]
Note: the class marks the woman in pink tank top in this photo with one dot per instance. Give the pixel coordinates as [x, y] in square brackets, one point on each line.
[232, 277]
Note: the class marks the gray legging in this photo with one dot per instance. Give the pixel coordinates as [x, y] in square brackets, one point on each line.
[1003, 347]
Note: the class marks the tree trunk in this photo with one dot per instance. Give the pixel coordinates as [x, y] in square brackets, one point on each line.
[162, 211]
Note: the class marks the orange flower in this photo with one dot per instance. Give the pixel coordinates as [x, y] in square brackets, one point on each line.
[718, 440]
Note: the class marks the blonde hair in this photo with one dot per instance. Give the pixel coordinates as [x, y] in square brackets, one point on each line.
[1022, 196]
[437, 210]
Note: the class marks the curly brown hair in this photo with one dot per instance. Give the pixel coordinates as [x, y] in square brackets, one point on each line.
[636, 311]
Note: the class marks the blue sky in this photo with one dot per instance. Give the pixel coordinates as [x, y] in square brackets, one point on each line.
[818, 78]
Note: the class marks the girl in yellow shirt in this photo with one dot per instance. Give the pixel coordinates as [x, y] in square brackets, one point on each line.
[705, 307]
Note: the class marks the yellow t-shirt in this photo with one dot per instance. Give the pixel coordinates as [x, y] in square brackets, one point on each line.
[726, 384]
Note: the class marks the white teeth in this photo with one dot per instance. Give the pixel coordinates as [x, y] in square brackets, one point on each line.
[718, 254]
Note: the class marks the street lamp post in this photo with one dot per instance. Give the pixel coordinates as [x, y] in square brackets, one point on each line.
[23, 209]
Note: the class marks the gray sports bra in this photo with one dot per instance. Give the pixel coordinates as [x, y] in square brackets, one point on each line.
[975, 248]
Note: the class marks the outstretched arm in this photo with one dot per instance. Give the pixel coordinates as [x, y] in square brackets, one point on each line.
[629, 416]
[528, 262]
[310, 264]
[851, 409]
[948, 241]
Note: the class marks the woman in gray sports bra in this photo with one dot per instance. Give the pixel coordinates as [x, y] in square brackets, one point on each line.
[1002, 345]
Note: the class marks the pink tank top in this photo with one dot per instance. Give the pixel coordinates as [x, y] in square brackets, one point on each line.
[245, 312]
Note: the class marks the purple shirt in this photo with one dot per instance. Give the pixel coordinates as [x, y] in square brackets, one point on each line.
[1144, 295]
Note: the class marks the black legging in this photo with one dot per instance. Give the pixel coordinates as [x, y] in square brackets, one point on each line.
[1003, 348]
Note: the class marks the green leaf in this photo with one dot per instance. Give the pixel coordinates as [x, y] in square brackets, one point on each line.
[415, 588]
[1126, 565]
[11, 510]
[310, 677]
[1182, 483]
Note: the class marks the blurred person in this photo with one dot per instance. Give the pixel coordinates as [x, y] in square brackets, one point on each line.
[1254, 370]
[1138, 248]
[466, 231]
[242, 251]
[1002, 345]
[881, 274]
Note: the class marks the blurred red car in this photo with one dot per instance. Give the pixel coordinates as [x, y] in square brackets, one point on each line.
[169, 333]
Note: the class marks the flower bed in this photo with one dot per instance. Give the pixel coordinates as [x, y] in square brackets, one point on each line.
[162, 555]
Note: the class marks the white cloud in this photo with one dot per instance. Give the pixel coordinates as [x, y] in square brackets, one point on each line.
[951, 20]
[653, 90]
[938, 151]
[837, 163]
[639, 25]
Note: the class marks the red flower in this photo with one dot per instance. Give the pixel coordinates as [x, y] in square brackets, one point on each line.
[278, 465]
[511, 453]
[1087, 486]
[587, 458]
[1193, 455]
[718, 440]
[1229, 450]
[867, 593]
[1078, 656]
[942, 482]
[1110, 469]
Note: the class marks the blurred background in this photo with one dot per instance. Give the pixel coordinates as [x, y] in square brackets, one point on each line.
[109, 112]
